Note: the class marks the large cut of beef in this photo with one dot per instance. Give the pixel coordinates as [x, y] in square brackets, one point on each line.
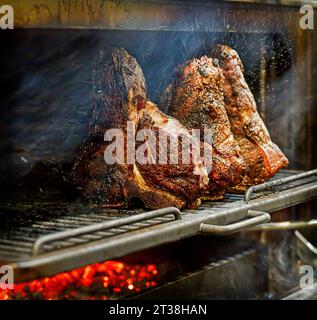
[196, 99]
[185, 180]
[262, 157]
[120, 95]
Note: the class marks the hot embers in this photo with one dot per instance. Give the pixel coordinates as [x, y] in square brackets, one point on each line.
[99, 281]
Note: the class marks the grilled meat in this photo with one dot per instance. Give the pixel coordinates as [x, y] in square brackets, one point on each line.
[120, 96]
[173, 174]
[262, 157]
[196, 99]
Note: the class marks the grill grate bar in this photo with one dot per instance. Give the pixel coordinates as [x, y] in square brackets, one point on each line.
[12, 242]
[10, 248]
[19, 237]
[59, 225]
[79, 220]
[93, 216]
[48, 227]
[34, 231]
[9, 256]
[22, 232]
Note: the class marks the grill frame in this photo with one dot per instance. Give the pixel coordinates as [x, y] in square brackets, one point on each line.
[148, 232]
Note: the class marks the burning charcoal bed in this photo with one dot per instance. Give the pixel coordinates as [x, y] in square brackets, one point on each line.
[240, 74]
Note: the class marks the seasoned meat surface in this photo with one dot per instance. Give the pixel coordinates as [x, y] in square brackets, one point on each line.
[262, 157]
[170, 175]
[196, 99]
[119, 89]
[120, 95]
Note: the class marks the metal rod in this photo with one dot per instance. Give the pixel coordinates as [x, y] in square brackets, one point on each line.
[285, 225]
[255, 217]
[103, 226]
[306, 243]
[276, 183]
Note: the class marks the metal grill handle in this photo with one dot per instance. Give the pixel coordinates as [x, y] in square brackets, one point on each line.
[285, 225]
[104, 226]
[254, 218]
[276, 183]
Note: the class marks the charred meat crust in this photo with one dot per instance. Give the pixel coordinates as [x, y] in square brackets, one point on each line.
[262, 157]
[195, 97]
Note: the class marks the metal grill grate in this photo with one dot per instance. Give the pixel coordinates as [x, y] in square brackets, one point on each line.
[19, 242]
[71, 236]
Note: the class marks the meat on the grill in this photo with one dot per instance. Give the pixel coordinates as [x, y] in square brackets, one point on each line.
[121, 96]
[178, 177]
[196, 99]
[262, 157]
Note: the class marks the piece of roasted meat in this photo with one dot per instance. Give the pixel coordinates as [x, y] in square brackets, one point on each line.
[262, 157]
[120, 96]
[171, 171]
[196, 99]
